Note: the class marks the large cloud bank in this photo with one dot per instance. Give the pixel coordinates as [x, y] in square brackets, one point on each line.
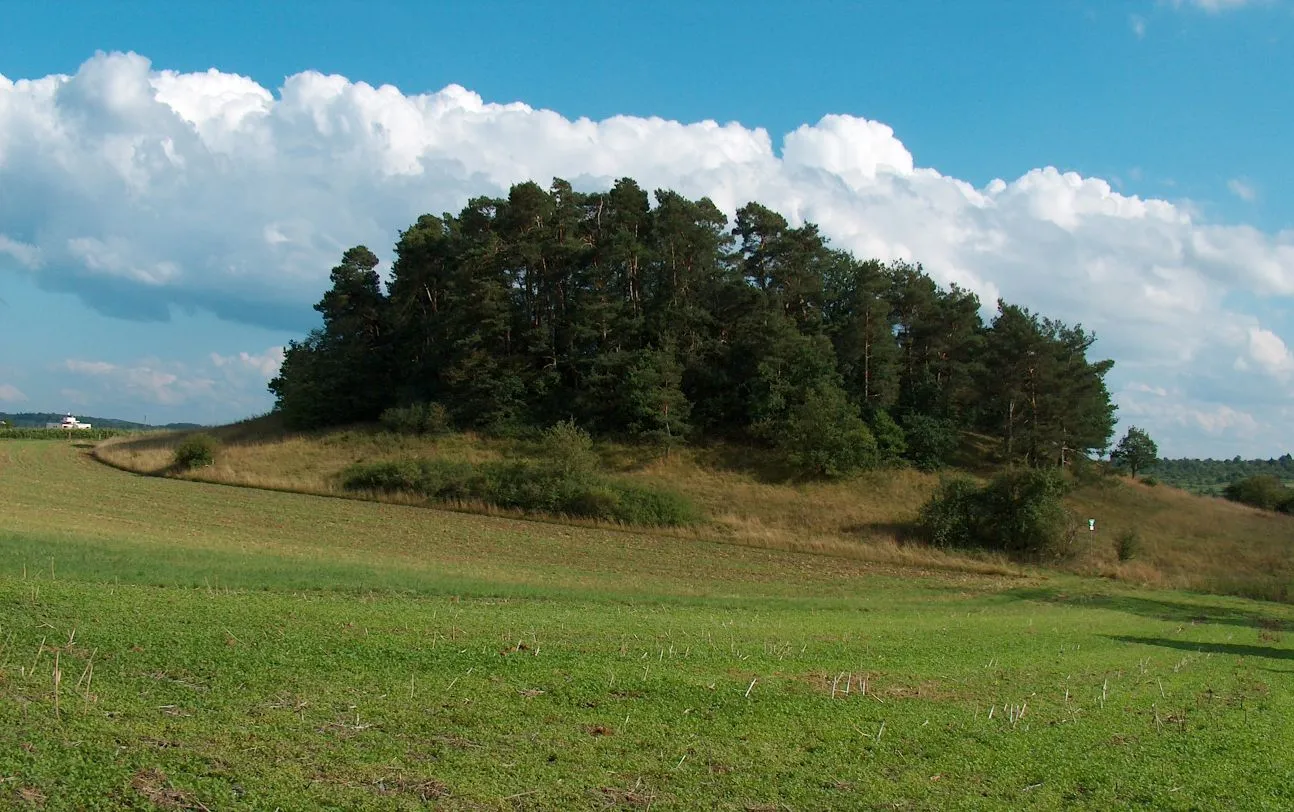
[144, 189]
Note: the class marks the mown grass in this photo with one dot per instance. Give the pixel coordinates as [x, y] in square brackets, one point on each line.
[184, 645]
[1188, 541]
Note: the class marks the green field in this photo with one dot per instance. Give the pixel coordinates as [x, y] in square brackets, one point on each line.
[174, 644]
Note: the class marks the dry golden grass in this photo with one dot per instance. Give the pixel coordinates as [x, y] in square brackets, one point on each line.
[1187, 541]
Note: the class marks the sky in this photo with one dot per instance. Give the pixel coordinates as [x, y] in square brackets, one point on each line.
[177, 180]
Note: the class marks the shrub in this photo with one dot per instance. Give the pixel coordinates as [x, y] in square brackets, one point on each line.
[416, 418]
[891, 442]
[1019, 512]
[1263, 491]
[568, 451]
[196, 451]
[1150, 481]
[930, 440]
[950, 518]
[1127, 544]
[523, 486]
[825, 436]
[435, 478]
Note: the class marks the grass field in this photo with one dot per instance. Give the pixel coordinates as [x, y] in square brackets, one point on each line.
[173, 644]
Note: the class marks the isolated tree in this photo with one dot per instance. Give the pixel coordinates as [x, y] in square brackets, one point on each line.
[1136, 451]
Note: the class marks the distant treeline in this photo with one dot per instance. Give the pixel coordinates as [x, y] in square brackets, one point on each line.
[668, 321]
[40, 419]
[31, 433]
[1212, 477]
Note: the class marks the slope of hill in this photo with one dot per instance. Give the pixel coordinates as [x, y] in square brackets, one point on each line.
[1187, 541]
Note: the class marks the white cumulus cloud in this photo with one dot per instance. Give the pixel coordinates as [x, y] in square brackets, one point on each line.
[144, 189]
[1217, 6]
[11, 394]
[265, 364]
[149, 381]
[1243, 189]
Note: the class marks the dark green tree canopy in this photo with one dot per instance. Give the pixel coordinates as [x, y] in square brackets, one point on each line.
[1136, 451]
[654, 317]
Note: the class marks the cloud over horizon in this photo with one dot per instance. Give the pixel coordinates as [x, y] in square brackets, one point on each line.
[144, 190]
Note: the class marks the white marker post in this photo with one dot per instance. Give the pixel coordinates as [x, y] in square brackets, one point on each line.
[1091, 525]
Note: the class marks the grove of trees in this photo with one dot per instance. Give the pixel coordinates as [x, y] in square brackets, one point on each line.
[655, 317]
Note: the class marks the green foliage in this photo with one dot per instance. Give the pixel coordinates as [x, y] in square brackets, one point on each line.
[1127, 544]
[930, 440]
[1019, 512]
[1263, 491]
[568, 451]
[1136, 451]
[1211, 477]
[891, 441]
[951, 516]
[664, 321]
[1088, 472]
[825, 436]
[567, 487]
[195, 451]
[1150, 481]
[1038, 392]
[417, 418]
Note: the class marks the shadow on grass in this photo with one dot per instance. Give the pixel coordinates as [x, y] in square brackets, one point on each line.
[901, 532]
[1210, 648]
[1157, 608]
[766, 466]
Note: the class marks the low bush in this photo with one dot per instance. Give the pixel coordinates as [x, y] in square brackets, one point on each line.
[524, 486]
[930, 440]
[826, 437]
[568, 450]
[417, 418]
[1019, 512]
[1127, 544]
[195, 451]
[1264, 491]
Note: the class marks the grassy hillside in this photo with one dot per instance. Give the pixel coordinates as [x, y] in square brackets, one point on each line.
[1187, 541]
[176, 644]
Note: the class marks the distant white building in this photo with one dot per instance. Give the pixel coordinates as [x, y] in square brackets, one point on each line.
[69, 423]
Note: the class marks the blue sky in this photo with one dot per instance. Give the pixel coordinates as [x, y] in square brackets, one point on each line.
[136, 287]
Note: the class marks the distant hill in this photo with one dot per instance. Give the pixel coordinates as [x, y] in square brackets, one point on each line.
[39, 419]
[1211, 477]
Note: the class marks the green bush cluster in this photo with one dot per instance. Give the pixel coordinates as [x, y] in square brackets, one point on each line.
[540, 488]
[1019, 512]
[417, 418]
[196, 451]
[1262, 491]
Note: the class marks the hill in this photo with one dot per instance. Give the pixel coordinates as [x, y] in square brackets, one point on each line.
[233, 648]
[1209, 476]
[749, 498]
[39, 419]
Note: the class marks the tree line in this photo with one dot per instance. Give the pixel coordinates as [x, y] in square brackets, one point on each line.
[1211, 477]
[655, 317]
